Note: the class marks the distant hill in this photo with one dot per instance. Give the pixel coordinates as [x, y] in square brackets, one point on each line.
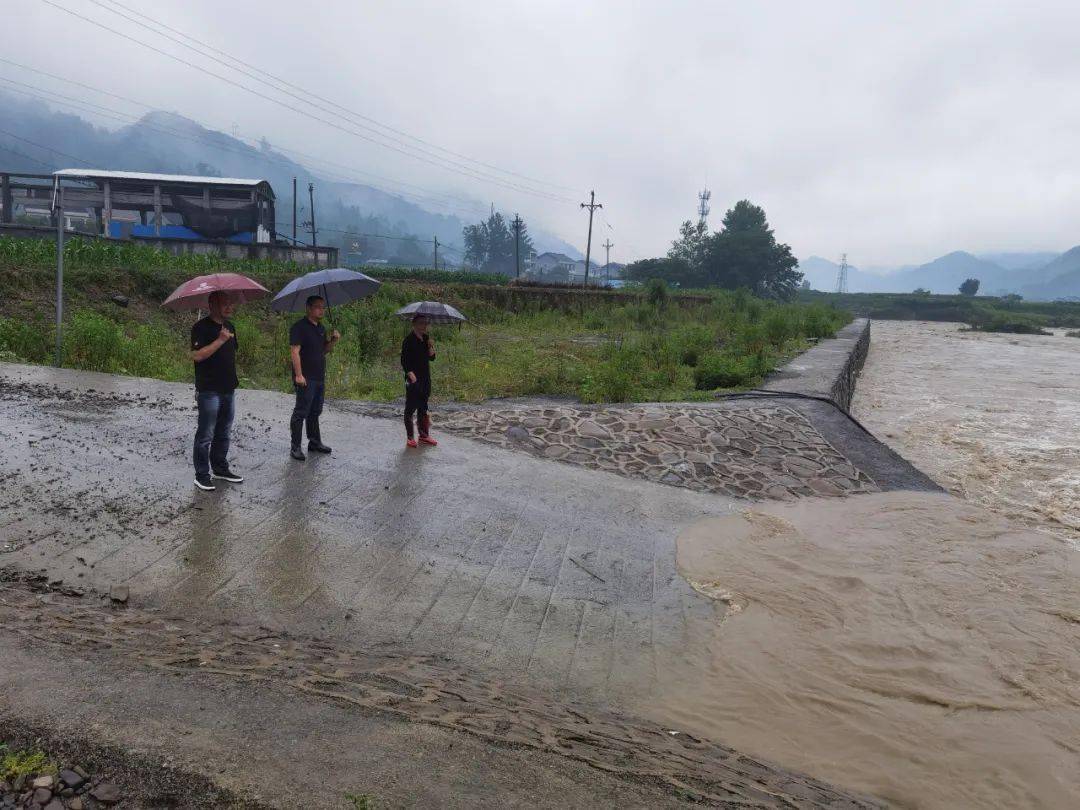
[1059, 278]
[1020, 261]
[170, 143]
[946, 273]
[943, 275]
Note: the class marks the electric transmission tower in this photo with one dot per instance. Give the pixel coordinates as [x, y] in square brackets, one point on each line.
[703, 205]
[841, 274]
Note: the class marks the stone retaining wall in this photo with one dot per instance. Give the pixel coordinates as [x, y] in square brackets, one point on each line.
[829, 369]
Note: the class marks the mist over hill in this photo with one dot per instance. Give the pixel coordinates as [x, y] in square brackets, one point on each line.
[173, 144]
[1035, 275]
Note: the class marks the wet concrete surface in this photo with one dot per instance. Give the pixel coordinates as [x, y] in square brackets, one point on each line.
[560, 576]
[539, 574]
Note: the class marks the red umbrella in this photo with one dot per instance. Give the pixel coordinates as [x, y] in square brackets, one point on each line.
[194, 294]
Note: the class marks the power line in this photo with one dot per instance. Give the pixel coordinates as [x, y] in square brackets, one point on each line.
[117, 115]
[42, 146]
[262, 75]
[402, 148]
[24, 156]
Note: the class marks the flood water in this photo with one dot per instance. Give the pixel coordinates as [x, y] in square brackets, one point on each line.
[908, 645]
[922, 648]
[992, 418]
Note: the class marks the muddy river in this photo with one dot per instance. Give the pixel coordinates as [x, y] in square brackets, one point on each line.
[994, 419]
[923, 648]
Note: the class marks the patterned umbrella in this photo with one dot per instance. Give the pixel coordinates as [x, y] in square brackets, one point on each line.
[336, 285]
[192, 295]
[434, 311]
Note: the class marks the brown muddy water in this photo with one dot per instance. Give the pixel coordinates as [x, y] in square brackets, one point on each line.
[993, 418]
[922, 648]
[908, 645]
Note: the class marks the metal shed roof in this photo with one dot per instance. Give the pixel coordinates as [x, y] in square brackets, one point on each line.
[103, 174]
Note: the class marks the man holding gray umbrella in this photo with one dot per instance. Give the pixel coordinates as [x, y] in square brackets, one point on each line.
[309, 345]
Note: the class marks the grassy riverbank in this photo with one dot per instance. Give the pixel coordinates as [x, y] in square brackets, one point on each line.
[596, 348]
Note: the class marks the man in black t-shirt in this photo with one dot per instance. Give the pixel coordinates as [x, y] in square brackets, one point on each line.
[213, 349]
[309, 346]
[417, 352]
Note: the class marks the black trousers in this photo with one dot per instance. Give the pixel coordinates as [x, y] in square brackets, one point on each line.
[416, 402]
[309, 401]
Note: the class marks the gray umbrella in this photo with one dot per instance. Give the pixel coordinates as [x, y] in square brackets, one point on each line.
[434, 311]
[336, 285]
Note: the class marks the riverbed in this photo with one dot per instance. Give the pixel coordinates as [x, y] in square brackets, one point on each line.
[992, 418]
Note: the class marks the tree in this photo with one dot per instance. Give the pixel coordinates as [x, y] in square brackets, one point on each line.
[692, 244]
[970, 287]
[489, 245]
[746, 254]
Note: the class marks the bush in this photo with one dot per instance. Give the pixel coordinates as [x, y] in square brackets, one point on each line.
[92, 342]
[722, 370]
[30, 342]
[656, 292]
[691, 342]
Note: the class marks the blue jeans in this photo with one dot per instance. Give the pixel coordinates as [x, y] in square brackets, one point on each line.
[212, 435]
[309, 402]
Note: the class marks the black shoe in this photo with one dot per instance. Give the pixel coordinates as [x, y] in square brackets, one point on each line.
[204, 482]
[228, 475]
[317, 447]
[298, 454]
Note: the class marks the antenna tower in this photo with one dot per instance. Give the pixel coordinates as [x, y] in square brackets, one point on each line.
[841, 274]
[703, 205]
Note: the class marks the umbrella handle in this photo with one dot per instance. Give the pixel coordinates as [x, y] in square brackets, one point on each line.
[329, 311]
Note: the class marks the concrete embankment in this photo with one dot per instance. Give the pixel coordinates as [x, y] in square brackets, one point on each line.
[830, 369]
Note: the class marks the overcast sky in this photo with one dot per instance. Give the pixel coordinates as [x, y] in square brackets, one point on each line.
[894, 132]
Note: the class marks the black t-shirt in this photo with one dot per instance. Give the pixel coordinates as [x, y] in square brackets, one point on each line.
[312, 342]
[218, 371]
[415, 357]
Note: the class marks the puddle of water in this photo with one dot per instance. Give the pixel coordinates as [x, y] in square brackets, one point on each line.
[908, 645]
[992, 418]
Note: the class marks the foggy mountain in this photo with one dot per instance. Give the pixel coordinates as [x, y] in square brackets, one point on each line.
[1020, 261]
[1059, 278]
[1037, 275]
[946, 273]
[173, 144]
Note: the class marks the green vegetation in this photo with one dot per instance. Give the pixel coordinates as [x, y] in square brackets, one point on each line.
[23, 762]
[744, 253]
[361, 801]
[596, 348]
[985, 313]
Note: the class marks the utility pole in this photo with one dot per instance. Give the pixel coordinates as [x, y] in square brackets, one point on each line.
[311, 195]
[517, 223]
[436, 239]
[608, 245]
[58, 211]
[294, 210]
[592, 205]
[841, 274]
